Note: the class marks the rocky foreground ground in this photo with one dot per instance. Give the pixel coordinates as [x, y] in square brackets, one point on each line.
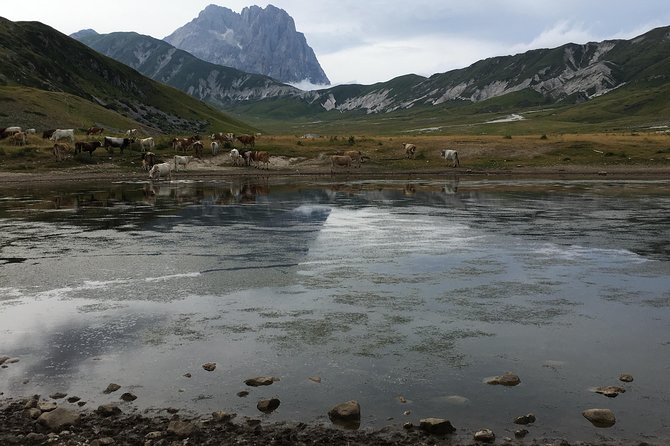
[38, 421]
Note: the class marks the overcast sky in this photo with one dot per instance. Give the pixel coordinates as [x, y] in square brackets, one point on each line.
[368, 41]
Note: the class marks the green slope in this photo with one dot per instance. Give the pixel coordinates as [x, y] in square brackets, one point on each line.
[40, 109]
[37, 56]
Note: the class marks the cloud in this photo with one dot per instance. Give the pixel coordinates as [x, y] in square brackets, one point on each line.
[422, 55]
[559, 34]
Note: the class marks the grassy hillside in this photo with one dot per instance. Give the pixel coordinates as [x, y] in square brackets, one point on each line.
[40, 109]
[37, 56]
[638, 106]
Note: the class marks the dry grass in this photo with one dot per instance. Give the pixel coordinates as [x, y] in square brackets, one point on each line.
[383, 153]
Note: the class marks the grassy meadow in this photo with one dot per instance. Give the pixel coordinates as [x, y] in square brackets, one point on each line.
[382, 153]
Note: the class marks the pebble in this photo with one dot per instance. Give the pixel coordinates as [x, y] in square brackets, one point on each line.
[108, 410]
[223, 416]
[525, 419]
[112, 387]
[155, 435]
[610, 391]
[104, 441]
[485, 435]
[209, 366]
[243, 393]
[625, 377]
[507, 379]
[47, 406]
[58, 395]
[260, 381]
[521, 433]
[128, 397]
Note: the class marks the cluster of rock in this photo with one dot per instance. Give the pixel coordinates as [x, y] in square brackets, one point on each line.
[6, 360]
[48, 419]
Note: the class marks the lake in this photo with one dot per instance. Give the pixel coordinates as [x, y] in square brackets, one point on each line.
[403, 295]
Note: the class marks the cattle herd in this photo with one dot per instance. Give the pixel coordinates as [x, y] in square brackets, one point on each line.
[65, 145]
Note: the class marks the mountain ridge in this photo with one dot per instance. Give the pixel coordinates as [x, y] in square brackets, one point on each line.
[158, 60]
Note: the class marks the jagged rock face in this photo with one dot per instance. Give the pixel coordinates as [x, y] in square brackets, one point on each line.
[262, 41]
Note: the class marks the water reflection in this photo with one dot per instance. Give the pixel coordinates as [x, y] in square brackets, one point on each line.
[418, 288]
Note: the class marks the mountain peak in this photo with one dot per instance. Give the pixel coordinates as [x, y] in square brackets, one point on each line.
[83, 33]
[257, 40]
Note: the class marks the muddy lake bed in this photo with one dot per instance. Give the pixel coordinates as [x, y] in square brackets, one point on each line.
[403, 295]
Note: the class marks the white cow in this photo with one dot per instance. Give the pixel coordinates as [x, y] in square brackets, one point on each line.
[236, 157]
[12, 130]
[160, 169]
[181, 160]
[215, 147]
[147, 143]
[132, 133]
[59, 134]
[451, 155]
[30, 131]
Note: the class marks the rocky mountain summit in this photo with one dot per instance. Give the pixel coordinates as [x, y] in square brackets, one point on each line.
[258, 40]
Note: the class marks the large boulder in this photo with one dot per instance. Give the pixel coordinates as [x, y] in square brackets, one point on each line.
[268, 406]
[600, 417]
[437, 426]
[58, 419]
[181, 428]
[346, 414]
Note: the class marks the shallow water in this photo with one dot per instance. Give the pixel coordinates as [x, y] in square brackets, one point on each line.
[383, 289]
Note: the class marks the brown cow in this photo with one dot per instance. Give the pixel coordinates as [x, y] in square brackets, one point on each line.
[61, 151]
[148, 160]
[19, 138]
[355, 156]
[95, 131]
[247, 140]
[340, 161]
[198, 148]
[260, 158]
[410, 151]
[223, 137]
[86, 147]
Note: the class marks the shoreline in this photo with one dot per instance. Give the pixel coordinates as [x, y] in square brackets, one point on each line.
[100, 173]
[24, 423]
